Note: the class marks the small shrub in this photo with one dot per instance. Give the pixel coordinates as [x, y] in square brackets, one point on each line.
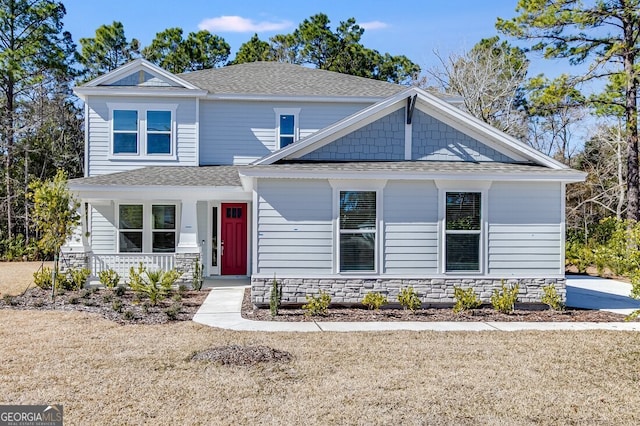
[88, 302]
[77, 278]
[128, 315]
[177, 297]
[465, 299]
[117, 305]
[504, 300]
[145, 307]
[173, 311]
[409, 299]
[275, 297]
[38, 303]
[107, 297]
[86, 293]
[198, 275]
[182, 289]
[120, 291]
[156, 285]
[109, 278]
[42, 278]
[374, 300]
[317, 305]
[7, 299]
[551, 298]
[74, 300]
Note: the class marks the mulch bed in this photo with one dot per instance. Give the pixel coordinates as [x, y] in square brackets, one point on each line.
[242, 355]
[523, 313]
[125, 309]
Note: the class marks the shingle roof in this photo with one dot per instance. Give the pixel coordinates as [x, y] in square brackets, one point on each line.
[229, 176]
[165, 176]
[281, 79]
[463, 168]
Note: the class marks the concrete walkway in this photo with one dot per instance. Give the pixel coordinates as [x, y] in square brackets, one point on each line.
[222, 309]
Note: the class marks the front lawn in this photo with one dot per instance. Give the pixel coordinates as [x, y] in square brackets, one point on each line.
[107, 373]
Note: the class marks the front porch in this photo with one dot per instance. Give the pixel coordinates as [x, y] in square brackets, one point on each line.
[135, 217]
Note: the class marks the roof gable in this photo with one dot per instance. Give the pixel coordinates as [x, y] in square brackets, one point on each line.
[138, 77]
[489, 141]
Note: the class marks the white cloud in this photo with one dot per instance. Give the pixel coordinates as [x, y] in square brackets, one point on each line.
[374, 25]
[238, 24]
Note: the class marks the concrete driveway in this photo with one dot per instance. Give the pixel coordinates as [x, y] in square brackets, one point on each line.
[588, 292]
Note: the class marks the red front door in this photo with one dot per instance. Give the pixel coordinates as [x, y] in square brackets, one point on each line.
[233, 242]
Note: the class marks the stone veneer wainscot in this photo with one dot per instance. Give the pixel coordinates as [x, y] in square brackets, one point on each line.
[432, 291]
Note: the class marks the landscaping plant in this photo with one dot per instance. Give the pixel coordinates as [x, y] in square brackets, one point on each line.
[504, 300]
[409, 299]
[317, 305]
[156, 285]
[275, 297]
[198, 275]
[465, 299]
[77, 278]
[109, 278]
[374, 300]
[551, 298]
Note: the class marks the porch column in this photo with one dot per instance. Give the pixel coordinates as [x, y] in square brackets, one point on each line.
[188, 250]
[188, 239]
[75, 252]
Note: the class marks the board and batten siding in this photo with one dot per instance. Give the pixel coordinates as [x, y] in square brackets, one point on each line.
[103, 231]
[100, 135]
[411, 228]
[525, 232]
[239, 132]
[295, 228]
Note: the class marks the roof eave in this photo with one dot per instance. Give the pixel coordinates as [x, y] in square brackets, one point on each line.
[550, 176]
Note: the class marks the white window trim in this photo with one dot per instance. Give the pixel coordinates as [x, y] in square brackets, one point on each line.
[296, 123]
[463, 186]
[147, 225]
[142, 131]
[370, 186]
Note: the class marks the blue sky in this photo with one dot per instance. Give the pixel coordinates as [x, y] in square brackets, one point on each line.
[411, 28]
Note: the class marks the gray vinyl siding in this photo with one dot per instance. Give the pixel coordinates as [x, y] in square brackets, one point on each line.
[434, 140]
[295, 234]
[384, 139]
[411, 228]
[525, 233]
[103, 232]
[100, 135]
[242, 132]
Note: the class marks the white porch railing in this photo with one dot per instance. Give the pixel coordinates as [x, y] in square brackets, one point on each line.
[122, 262]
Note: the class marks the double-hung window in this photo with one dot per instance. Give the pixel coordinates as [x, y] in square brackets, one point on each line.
[142, 131]
[164, 229]
[286, 126]
[462, 231]
[125, 131]
[357, 231]
[158, 132]
[130, 224]
[145, 228]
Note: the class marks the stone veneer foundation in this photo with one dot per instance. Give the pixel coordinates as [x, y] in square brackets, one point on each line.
[432, 291]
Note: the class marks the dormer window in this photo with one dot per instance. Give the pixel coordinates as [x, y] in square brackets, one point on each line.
[286, 127]
[141, 131]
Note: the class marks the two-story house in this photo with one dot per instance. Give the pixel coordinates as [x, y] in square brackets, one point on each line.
[324, 180]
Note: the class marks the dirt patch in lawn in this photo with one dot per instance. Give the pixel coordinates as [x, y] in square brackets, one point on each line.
[242, 355]
[127, 308]
[535, 313]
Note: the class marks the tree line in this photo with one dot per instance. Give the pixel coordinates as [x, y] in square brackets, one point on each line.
[41, 125]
